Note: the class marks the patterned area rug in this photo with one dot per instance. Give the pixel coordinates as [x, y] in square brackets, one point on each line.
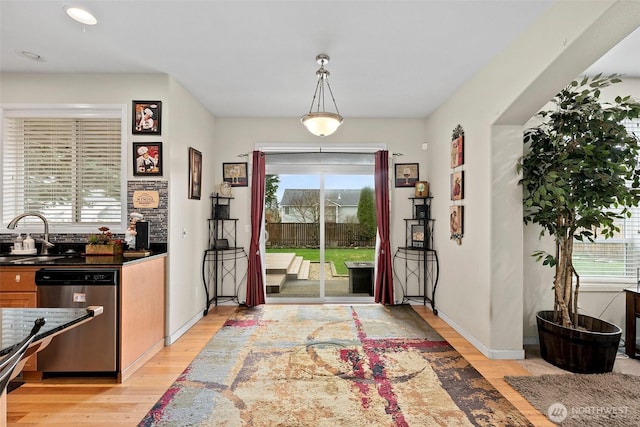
[330, 365]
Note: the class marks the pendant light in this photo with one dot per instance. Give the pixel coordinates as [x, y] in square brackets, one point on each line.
[321, 122]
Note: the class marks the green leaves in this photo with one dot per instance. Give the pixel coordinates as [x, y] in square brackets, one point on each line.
[580, 169]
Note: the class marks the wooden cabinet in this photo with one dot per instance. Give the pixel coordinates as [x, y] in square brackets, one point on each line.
[633, 313]
[142, 313]
[18, 289]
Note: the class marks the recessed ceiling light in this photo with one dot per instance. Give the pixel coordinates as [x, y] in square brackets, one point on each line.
[81, 15]
[30, 55]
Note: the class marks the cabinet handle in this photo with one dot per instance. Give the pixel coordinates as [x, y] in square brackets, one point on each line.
[17, 278]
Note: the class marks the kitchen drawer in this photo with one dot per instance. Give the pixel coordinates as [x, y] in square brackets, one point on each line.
[18, 299]
[18, 279]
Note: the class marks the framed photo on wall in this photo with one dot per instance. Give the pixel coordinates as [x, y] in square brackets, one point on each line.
[457, 185]
[457, 151]
[147, 158]
[235, 174]
[456, 217]
[195, 173]
[406, 174]
[147, 118]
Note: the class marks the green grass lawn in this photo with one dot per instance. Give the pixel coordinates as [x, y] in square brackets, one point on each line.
[338, 256]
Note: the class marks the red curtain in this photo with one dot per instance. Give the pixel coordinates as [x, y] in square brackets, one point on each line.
[384, 272]
[255, 283]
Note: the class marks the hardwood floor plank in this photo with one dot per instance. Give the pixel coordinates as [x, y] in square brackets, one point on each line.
[102, 402]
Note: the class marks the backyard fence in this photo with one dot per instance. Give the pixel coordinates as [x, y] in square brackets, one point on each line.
[298, 235]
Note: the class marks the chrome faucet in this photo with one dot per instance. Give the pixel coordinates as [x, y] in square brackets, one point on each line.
[45, 242]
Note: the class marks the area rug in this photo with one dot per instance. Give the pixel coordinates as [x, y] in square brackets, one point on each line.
[330, 365]
[611, 399]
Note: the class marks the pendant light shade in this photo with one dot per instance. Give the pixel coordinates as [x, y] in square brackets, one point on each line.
[322, 122]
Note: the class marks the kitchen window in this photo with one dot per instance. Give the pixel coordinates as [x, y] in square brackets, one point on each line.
[65, 163]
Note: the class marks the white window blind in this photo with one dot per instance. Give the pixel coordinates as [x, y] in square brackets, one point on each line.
[615, 259]
[69, 169]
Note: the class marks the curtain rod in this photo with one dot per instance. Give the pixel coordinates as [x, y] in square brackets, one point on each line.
[315, 152]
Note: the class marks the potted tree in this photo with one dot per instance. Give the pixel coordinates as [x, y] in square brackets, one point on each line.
[579, 175]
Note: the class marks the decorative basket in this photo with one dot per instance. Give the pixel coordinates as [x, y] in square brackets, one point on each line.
[103, 250]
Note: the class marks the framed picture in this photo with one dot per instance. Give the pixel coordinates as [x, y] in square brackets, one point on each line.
[456, 218]
[220, 211]
[422, 212]
[147, 158]
[235, 174]
[457, 185]
[457, 151]
[422, 189]
[417, 236]
[147, 118]
[220, 244]
[195, 173]
[406, 174]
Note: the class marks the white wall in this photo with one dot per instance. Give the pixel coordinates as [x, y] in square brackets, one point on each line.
[482, 288]
[191, 126]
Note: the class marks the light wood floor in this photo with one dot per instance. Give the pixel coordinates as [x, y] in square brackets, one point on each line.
[102, 402]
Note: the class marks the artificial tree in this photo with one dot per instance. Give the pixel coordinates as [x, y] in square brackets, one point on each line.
[579, 175]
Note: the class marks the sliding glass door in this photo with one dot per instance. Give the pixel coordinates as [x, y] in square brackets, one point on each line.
[320, 230]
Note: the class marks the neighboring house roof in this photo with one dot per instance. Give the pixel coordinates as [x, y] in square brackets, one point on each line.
[350, 197]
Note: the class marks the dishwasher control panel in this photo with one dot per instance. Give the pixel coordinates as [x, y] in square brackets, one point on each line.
[76, 276]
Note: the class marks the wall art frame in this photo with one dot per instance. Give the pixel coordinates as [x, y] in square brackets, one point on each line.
[146, 118]
[456, 222]
[457, 146]
[406, 174]
[195, 173]
[147, 158]
[235, 174]
[457, 185]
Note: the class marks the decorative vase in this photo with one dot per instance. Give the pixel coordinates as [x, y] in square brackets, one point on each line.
[589, 351]
[103, 249]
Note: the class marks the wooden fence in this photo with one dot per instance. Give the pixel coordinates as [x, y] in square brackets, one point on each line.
[297, 235]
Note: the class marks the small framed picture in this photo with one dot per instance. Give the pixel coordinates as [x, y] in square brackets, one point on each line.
[457, 151]
[457, 185]
[406, 174]
[422, 212]
[195, 173]
[417, 236]
[422, 189]
[147, 158]
[221, 244]
[147, 118]
[235, 174]
[456, 218]
[220, 211]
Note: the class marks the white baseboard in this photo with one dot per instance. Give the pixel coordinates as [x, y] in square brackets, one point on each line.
[183, 329]
[488, 352]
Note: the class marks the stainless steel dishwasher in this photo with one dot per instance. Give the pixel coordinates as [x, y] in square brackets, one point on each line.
[93, 346]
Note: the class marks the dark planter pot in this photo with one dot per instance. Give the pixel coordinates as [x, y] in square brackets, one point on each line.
[590, 351]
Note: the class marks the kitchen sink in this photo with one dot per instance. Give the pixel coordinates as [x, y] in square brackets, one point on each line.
[29, 259]
[36, 259]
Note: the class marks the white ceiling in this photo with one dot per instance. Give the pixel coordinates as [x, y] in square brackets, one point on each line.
[257, 58]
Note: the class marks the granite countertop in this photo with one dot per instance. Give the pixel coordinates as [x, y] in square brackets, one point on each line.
[71, 256]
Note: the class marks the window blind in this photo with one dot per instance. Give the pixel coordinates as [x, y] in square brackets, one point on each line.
[615, 259]
[69, 169]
